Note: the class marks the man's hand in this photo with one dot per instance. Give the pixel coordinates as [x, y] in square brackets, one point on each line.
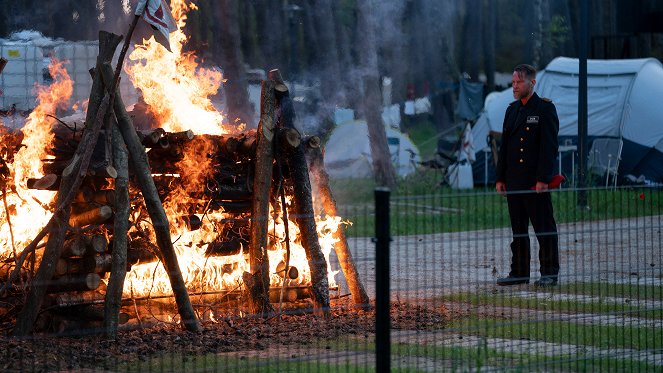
[501, 188]
[541, 187]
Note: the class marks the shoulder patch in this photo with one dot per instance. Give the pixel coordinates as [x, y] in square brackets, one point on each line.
[546, 99]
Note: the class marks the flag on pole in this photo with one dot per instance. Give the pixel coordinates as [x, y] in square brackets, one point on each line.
[157, 14]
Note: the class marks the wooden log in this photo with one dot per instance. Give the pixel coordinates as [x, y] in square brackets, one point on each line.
[257, 281]
[76, 246]
[112, 314]
[292, 271]
[305, 216]
[320, 180]
[192, 222]
[73, 299]
[228, 145]
[104, 197]
[141, 250]
[84, 265]
[84, 195]
[89, 281]
[289, 295]
[313, 142]
[98, 243]
[47, 182]
[89, 312]
[233, 207]
[71, 181]
[179, 137]
[104, 171]
[247, 146]
[150, 138]
[155, 209]
[289, 139]
[97, 215]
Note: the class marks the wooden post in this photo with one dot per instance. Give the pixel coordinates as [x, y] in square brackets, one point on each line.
[155, 209]
[321, 183]
[72, 177]
[304, 214]
[121, 226]
[257, 281]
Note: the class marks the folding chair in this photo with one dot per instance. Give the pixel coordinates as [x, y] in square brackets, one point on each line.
[604, 158]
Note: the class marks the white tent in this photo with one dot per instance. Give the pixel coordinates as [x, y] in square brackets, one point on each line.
[348, 152]
[624, 101]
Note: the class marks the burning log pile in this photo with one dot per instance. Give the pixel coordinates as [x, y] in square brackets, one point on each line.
[123, 193]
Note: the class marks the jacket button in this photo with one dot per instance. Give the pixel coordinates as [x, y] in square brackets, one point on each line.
[526, 128]
[522, 150]
[522, 139]
[521, 161]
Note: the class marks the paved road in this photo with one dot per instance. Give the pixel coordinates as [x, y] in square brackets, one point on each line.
[424, 266]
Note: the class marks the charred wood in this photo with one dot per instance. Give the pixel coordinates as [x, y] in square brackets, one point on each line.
[48, 182]
[84, 265]
[89, 281]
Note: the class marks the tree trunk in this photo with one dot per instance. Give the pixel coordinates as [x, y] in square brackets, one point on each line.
[472, 33]
[489, 37]
[327, 56]
[155, 209]
[236, 90]
[383, 167]
[257, 281]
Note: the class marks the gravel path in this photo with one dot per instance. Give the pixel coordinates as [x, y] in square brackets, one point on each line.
[423, 266]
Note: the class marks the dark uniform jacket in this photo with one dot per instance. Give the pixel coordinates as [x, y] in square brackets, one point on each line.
[529, 144]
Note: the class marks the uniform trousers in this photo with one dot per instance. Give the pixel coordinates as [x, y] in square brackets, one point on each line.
[536, 208]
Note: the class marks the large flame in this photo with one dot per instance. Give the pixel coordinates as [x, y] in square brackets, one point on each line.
[28, 214]
[177, 89]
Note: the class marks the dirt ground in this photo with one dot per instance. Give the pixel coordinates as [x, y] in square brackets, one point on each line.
[422, 269]
[64, 353]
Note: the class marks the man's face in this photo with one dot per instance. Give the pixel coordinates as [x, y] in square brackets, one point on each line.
[522, 87]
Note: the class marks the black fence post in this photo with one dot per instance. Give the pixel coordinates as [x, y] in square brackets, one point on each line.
[382, 278]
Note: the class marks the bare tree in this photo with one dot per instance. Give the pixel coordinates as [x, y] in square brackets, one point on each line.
[472, 36]
[385, 174]
[237, 95]
[327, 59]
[489, 37]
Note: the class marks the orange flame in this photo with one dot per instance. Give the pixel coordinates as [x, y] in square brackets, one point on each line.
[173, 84]
[29, 214]
[177, 89]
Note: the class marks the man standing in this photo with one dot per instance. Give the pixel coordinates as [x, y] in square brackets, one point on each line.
[525, 166]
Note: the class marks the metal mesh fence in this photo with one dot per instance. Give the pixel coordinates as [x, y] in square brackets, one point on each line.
[445, 311]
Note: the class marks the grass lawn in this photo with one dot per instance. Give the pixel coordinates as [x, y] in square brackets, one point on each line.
[221, 363]
[419, 206]
[602, 336]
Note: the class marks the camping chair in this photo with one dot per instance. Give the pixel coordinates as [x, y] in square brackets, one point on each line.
[394, 148]
[604, 157]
